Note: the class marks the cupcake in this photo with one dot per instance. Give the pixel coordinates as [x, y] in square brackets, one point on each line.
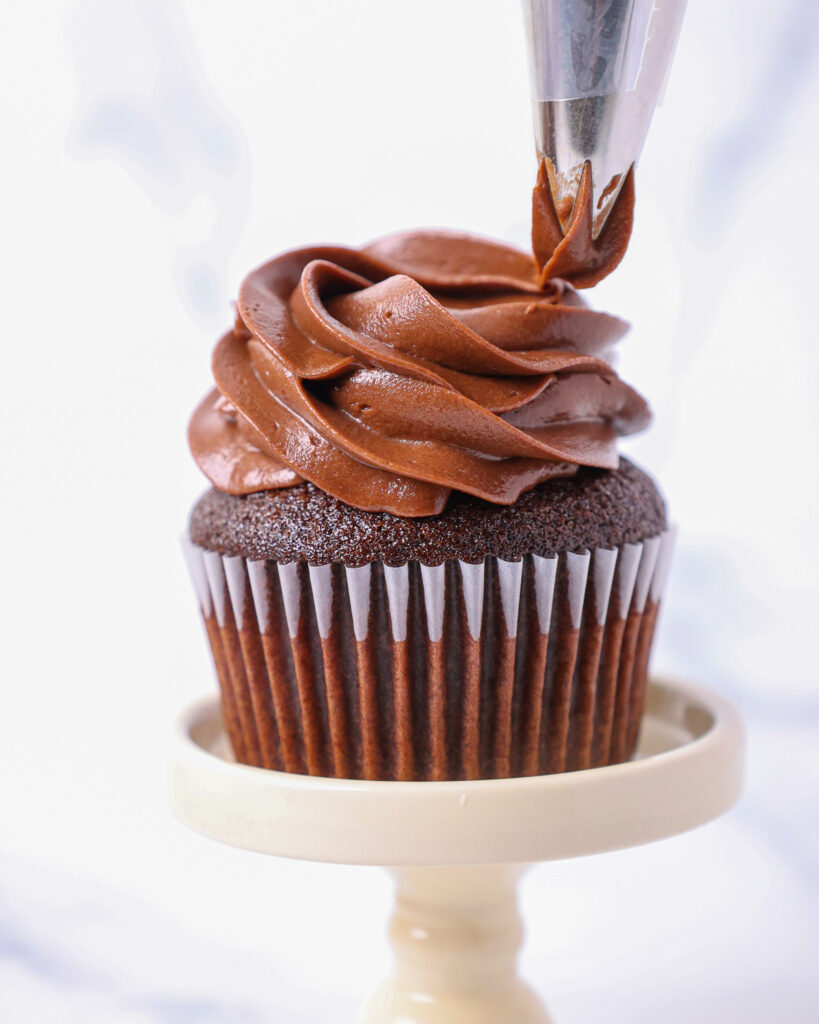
[421, 557]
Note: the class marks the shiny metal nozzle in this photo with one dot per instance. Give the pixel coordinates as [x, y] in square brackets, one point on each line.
[598, 68]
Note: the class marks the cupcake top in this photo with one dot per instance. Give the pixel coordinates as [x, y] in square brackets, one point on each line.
[593, 509]
[422, 364]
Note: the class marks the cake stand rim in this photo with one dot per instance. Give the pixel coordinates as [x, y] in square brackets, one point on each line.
[483, 821]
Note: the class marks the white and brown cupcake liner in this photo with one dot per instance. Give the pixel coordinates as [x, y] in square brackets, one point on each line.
[454, 671]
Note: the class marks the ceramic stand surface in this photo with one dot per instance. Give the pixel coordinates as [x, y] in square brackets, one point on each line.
[458, 848]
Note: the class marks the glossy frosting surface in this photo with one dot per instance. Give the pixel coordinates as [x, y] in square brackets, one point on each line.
[423, 363]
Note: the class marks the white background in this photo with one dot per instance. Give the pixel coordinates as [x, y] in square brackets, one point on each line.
[155, 151]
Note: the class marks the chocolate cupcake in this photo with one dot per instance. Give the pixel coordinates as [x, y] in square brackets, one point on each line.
[422, 557]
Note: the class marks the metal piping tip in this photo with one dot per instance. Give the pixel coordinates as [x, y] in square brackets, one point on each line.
[598, 69]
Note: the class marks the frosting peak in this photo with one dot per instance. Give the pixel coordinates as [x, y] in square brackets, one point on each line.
[423, 363]
[573, 253]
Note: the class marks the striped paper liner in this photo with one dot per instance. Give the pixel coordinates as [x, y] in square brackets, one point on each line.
[454, 671]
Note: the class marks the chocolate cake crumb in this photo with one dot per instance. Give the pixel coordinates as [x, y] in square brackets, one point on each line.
[594, 508]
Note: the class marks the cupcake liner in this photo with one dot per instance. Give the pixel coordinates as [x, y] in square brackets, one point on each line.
[453, 671]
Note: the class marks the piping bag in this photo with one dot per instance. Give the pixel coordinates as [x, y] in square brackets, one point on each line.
[598, 69]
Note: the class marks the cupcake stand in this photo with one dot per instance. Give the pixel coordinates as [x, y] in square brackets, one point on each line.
[457, 849]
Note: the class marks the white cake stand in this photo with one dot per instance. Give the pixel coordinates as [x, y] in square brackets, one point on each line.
[458, 848]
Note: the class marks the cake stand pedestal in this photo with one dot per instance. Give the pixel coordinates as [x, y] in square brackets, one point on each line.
[457, 849]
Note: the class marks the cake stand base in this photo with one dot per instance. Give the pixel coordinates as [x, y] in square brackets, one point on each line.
[456, 932]
[458, 848]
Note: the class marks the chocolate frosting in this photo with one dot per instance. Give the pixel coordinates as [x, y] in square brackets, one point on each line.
[424, 363]
[574, 254]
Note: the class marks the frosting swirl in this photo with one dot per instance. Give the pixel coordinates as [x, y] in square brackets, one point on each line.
[423, 363]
